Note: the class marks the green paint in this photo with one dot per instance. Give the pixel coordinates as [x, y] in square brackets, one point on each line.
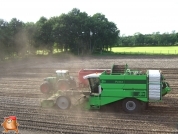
[124, 81]
[117, 87]
[138, 94]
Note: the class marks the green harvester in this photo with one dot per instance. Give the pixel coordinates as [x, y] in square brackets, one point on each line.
[134, 89]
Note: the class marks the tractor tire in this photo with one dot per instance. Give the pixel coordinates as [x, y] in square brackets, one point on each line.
[45, 88]
[63, 102]
[131, 105]
[63, 85]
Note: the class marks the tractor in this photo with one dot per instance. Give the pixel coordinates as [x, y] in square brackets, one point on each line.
[62, 81]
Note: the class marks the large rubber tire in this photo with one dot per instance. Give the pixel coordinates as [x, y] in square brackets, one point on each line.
[63, 85]
[45, 88]
[131, 105]
[63, 102]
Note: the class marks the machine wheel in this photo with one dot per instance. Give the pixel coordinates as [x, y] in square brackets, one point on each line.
[131, 105]
[63, 85]
[45, 88]
[63, 102]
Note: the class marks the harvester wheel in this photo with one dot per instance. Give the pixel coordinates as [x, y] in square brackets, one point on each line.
[63, 102]
[131, 105]
[45, 88]
[63, 85]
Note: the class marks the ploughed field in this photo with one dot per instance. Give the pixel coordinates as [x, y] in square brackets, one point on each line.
[20, 96]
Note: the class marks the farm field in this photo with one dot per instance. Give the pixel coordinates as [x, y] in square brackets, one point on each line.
[20, 96]
[167, 50]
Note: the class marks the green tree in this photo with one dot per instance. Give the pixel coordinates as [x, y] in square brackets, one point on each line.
[30, 30]
[16, 36]
[71, 31]
[4, 39]
[43, 36]
[105, 33]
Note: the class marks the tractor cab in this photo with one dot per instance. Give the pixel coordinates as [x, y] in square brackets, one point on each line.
[62, 74]
[65, 80]
[94, 83]
[95, 90]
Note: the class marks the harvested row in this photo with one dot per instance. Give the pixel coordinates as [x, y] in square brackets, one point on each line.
[20, 96]
[147, 121]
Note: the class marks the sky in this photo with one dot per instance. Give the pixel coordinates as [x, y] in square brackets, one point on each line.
[130, 16]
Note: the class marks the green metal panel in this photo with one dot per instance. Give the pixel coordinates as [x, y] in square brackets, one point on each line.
[122, 84]
[107, 100]
[98, 101]
[117, 87]
[129, 84]
[51, 79]
[111, 86]
[104, 76]
[95, 101]
[135, 86]
[166, 90]
[120, 93]
[52, 82]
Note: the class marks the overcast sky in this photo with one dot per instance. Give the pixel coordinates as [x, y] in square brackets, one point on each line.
[130, 16]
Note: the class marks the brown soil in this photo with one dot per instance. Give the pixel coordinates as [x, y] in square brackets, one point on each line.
[20, 96]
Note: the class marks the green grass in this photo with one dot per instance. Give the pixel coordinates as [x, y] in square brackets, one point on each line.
[168, 50]
[160, 50]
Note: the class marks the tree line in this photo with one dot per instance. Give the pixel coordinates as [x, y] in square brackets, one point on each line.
[75, 32]
[154, 39]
